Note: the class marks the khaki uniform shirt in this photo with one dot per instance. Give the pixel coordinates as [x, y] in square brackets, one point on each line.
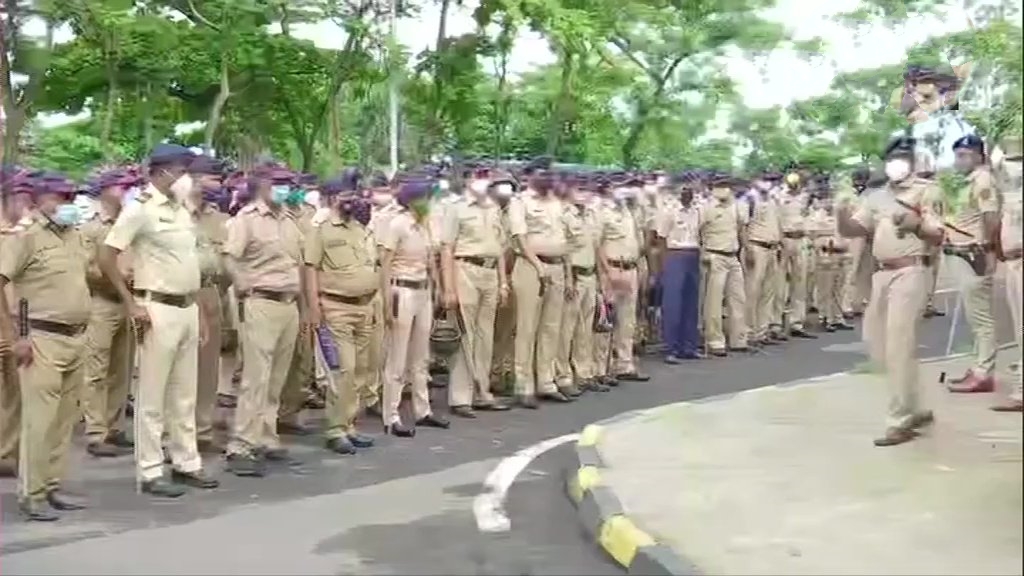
[766, 222]
[982, 198]
[887, 243]
[47, 264]
[9, 231]
[539, 222]
[721, 226]
[585, 220]
[473, 228]
[211, 233]
[266, 247]
[826, 238]
[410, 243]
[346, 261]
[94, 232]
[681, 227]
[1012, 231]
[162, 237]
[793, 211]
[619, 233]
[381, 217]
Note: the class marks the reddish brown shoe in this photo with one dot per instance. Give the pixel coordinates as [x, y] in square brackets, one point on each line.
[974, 385]
[1009, 406]
[896, 436]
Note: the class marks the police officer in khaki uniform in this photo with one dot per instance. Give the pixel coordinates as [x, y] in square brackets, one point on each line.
[503, 357]
[855, 284]
[564, 379]
[722, 229]
[211, 232]
[110, 351]
[46, 264]
[17, 201]
[264, 254]
[979, 216]
[537, 227]
[831, 250]
[160, 232]
[473, 264]
[619, 255]
[903, 228]
[1012, 251]
[582, 354]
[762, 254]
[378, 194]
[407, 277]
[794, 204]
[342, 282]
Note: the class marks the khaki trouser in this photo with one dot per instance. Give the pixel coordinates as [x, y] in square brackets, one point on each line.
[503, 358]
[794, 264]
[537, 326]
[10, 407]
[408, 351]
[891, 330]
[811, 277]
[643, 332]
[1014, 293]
[229, 387]
[762, 265]
[725, 282]
[208, 374]
[165, 396]
[269, 331]
[829, 280]
[107, 369]
[624, 283]
[582, 320]
[370, 394]
[933, 278]
[477, 290]
[856, 276]
[301, 373]
[49, 403]
[566, 332]
[978, 310]
[351, 327]
[781, 302]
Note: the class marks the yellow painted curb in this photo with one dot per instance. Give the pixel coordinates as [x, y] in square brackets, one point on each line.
[590, 435]
[620, 538]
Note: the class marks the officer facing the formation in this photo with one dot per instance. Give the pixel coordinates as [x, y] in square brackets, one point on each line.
[679, 229]
[342, 282]
[473, 265]
[46, 264]
[161, 306]
[903, 231]
[264, 253]
[722, 231]
[110, 339]
[973, 239]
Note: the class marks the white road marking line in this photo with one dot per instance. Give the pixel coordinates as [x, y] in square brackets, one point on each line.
[489, 506]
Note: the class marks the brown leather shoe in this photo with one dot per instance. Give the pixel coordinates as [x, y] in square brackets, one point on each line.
[1009, 406]
[974, 385]
[896, 436]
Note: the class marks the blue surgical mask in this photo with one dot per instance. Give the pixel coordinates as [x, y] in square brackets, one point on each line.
[280, 194]
[67, 215]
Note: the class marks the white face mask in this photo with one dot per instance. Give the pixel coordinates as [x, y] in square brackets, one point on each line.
[897, 169]
[380, 198]
[313, 198]
[478, 186]
[503, 190]
[182, 187]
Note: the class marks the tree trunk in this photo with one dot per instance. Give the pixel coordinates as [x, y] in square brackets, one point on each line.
[636, 129]
[218, 105]
[434, 125]
[558, 108]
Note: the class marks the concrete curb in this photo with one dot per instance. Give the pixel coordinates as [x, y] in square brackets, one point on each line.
[604, 519]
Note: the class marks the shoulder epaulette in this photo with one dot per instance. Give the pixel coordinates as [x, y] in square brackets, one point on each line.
[247, 209]
[143, 196]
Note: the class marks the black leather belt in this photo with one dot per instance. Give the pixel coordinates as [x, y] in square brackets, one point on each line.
[721, 252]
[482, 261]
[56, 327]
[410, 284]
[622, 264]
[351, 300]
[583, 271]
[765, 245]
[793, 235]
[176, 300]
[283, 297]
[834, 250]
[551, 259]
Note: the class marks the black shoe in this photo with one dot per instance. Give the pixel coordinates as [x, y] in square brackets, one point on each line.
[274, 454]
[527, 401]
[197, 479]
[555, 396]
[245, 465]
[801, 333]
[103, 450]
[360, 440]
[842, 326]
[742, 349]
[830, 328]
[37, 512]
[432, 421]
[120, 439]
[632, 377]
[227, 401]
[812, 309]
[400, 430]
[374, 410]
[718, 352]
[59, 500]
[289, 429]
[493, 406]
[340, 446]
[209, 447]
[572, 391]
[463, 411]
[161, 488]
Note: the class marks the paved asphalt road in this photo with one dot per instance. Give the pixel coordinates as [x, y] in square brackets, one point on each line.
[404, 507]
